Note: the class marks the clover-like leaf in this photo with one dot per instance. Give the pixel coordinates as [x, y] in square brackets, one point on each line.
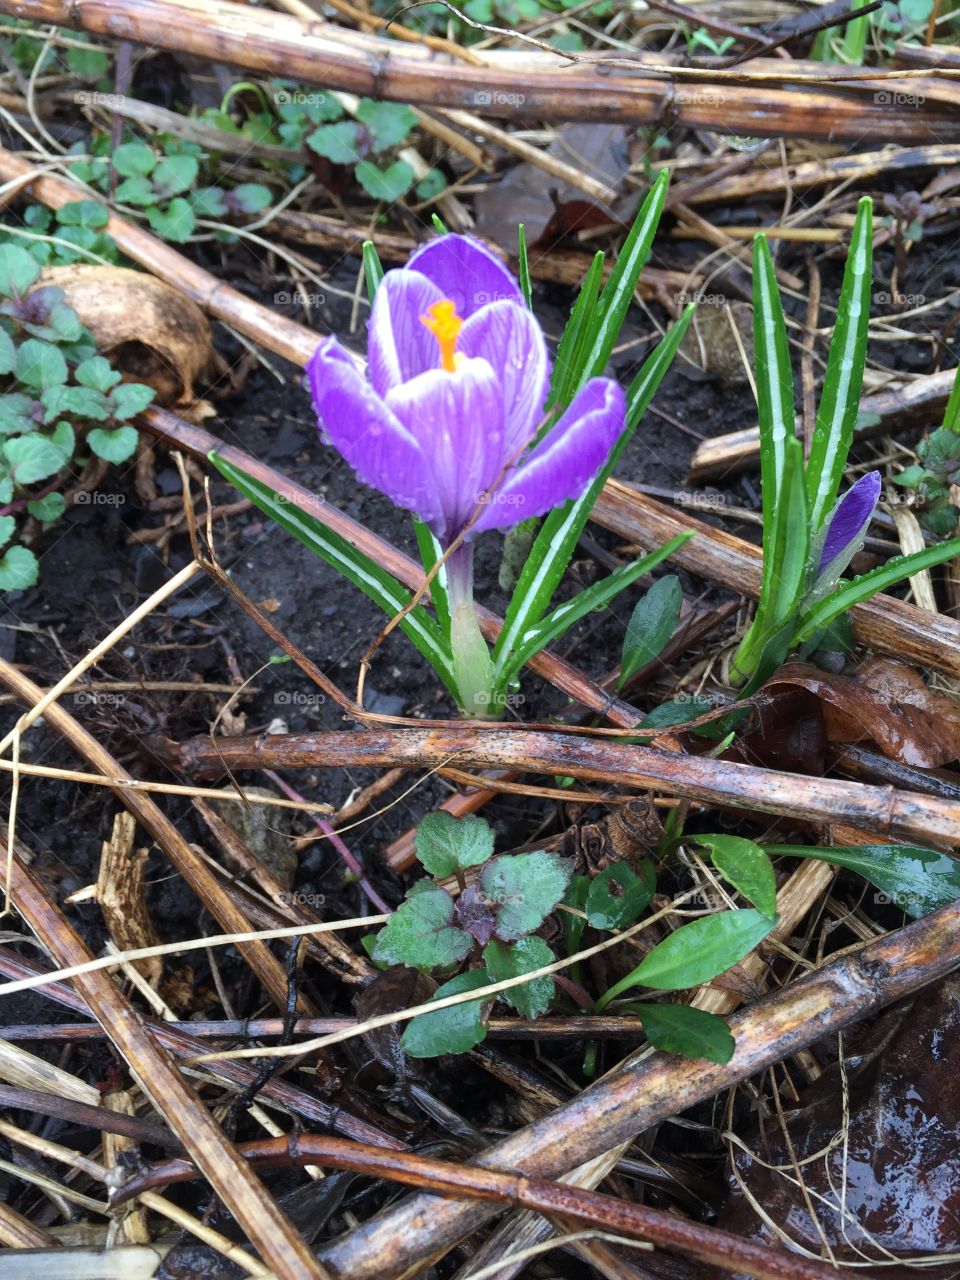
[385, 184]
[113, 446]
[174, 222]
[8, 352]
[7, 526]
[453, 1030]
[137, 191]
[174, 174]
[338, 143]
[388, 123]
[82, 402]
[209, 202]
[431, 184]
[618, 894]
[48, 508]
[445, 844]
[97, 373]
[18, 270]
[32, 458]
[421, 933]
[134, 159]
[83, 213]
[40, 364]
[129, 399]
[523, 888]
[18, 413]
[509, 960]
[18, 569]
[249, 197]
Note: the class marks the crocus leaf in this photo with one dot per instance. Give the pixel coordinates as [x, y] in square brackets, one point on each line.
[574, 339]
[651, 625]
[358, 568]
[679, 1028]
[372, 268]
[843, 380]
[524, 888]
[869, 584]
[951, 417]
[509, 960]
[453, 1030]
[696, 953]
[523, 265]
[445, 844]
[558, 536]
[775, 400]
[18, 569]
[618, 894]
[744, 865]
[917, 880]
[421, 933]
[430, 552]
[557, 623]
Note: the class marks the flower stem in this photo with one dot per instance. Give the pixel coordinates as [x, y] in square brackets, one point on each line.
[471, 657]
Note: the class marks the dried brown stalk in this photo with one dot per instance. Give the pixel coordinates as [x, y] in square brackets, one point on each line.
[267, 1228]
[666, 1230]
[879, 809]
[914, 404]
[771, 99]
[401, 1240]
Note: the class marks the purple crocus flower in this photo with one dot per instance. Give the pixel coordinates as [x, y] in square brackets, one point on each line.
[846, 526]
[445, 423]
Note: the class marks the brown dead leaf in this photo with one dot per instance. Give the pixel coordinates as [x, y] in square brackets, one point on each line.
[884, 702]
[150, 331]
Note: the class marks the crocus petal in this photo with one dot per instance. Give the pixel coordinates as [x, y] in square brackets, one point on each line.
[457, 418]
[847, 524]
[399, 344]
[466, 272]
[511, 341]
[563, 464]
[361, 427]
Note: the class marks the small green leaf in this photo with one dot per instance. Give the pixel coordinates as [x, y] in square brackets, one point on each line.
[446, 844]
[618, 895]
[131, 398]
[509, 960]
[744, 865]
[113, 446]
[421, 933]
[453, 1030]
[431, 184]
[250, 197]
[695, 953]
[675, 712]
[32, 458]
[523, 889]
[83, 213]
[174, 174]
[137, 191]
[7, 526]
[918, 880]
[40, 365]
[176, 222]
[388, 123]
[18, 270]
[81, 402]
[88, 64]
[8, 353]
[338, 143]
[48, 508]
[678, 1028]
[97, 373]
[18, 569]
[385, 184]
[134, 159]
[651, 625]
[209, 202]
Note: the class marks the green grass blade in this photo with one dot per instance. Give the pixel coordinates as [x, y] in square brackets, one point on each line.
[951, 419]
[775, 401]
[381, 587]
[575, 335]
[551, 552]
[372, 267]
[855, 35]
[526, 287]
[553, 626]
[868, 584]
[430, 553]
[843, 381]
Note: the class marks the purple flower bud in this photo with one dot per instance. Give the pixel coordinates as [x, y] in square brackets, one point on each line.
[846, 526]
[458, 377]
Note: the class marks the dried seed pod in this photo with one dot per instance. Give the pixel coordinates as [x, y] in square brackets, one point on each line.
[150, 331]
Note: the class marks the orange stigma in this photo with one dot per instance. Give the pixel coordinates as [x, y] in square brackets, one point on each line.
[445, 325]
